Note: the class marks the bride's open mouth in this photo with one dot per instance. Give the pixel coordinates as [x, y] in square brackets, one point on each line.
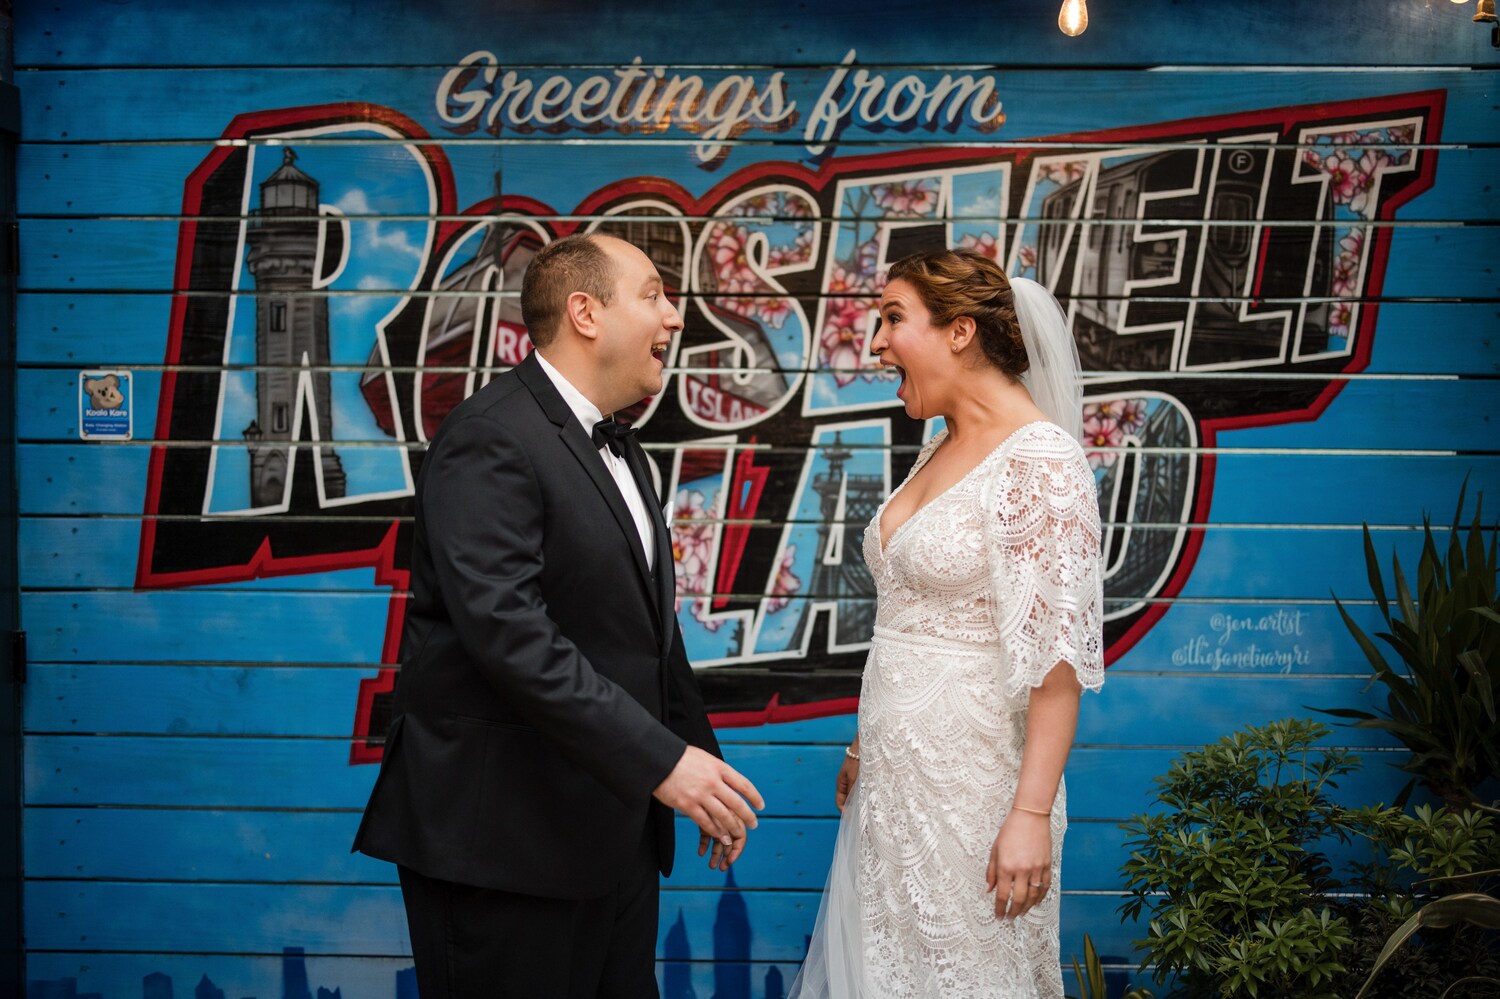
[900, 373]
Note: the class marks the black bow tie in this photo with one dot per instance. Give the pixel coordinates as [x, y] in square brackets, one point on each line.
[608, 433]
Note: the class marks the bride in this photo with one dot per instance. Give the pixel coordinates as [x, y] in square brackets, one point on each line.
[988, 626]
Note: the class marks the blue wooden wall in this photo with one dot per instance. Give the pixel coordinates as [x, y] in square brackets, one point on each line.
[1273, 225]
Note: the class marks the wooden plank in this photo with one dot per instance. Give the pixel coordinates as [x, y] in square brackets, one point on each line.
[229, 772]
[80, 180]
[91, 105]
[121, 974]
[115, 975]
[189, 626]
[81, 478]
[99, 554]
[318, 627]
[1425, 262]
[311, 626]
[67, 329]
[300, 701]
[1267, 638]
[1255, 562]
[370, 921]
[190, 846]
[64, 328]
[110, 479]
[1154, 33]
[318, 701]
[53, 397]
[1368, 414]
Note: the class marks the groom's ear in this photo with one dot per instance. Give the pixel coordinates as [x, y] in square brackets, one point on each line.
[581, 313]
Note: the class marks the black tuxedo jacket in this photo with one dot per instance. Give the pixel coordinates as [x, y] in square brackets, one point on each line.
[544, 690]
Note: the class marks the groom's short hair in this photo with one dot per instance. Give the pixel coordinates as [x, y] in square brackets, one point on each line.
[573, 263]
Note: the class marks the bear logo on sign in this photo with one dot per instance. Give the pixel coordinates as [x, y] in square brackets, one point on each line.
[104, 409]
[104, 393]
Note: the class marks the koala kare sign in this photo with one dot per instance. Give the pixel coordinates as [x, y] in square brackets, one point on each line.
[104, 406]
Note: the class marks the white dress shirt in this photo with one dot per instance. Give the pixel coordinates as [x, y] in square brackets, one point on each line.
[588, 414]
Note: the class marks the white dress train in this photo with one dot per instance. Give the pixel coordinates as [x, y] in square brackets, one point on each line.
[980, 593]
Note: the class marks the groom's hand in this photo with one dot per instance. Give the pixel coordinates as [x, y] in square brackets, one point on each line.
[716, 797]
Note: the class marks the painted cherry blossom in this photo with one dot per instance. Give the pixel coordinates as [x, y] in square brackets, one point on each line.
[863, 272]
[1026, 257]
[796, 208]
[907, 199]
[1348, 180]
[786, 582]
[1339, 317]
[1346, 264]
[799, 252]
[984, 243]
[761, 204]
[775, 311]
[1402, 135]
[841, 344]
[728, 248]
[1372, 161]
[778, 204]
[853, 286]
[729, 256]
[1101, 429]
[1355, 159]
[846, 280]
[1132, 415]
[1065, 172]
[692, 554]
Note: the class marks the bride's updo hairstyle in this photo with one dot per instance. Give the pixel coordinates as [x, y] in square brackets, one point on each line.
[954, 283]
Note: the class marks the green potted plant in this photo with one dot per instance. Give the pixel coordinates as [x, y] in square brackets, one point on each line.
[1441, 692]
[1425, 915]
[1092, 982]
[1231, 870]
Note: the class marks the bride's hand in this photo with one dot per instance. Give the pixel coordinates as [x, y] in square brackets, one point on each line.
[1020, 870]
[848, 774]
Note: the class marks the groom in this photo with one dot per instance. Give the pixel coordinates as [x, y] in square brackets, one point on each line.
[546, 720]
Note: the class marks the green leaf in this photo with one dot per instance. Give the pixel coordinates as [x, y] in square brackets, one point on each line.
[1372, 569]
[1474, 663]
[1471, 979]
[1469, 907]
[1403, 594]
[1377, 661]
[1341, 712]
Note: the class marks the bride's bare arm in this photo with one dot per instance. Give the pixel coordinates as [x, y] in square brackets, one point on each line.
[1020, 869]
[848, 774]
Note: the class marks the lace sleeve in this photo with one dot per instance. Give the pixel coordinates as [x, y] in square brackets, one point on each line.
[1048, 583]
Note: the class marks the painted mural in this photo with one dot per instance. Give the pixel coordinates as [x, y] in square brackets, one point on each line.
[774, 439]
[312, 263]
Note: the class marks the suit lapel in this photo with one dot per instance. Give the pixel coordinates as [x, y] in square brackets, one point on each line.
[571, 433]
[666, 575]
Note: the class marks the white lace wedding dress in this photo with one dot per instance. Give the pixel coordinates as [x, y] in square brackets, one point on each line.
[980, 593]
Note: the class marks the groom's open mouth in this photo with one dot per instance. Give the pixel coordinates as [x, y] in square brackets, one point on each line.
[659, 352]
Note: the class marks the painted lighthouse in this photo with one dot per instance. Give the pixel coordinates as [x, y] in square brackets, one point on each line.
[292, 382]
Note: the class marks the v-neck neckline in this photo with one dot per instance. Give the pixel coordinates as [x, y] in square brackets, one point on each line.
[885, 541]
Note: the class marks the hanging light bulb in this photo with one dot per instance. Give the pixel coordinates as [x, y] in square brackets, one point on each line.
[1073, 18]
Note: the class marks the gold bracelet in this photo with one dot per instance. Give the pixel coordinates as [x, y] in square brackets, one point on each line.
[1033, 811]
[849, 752]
